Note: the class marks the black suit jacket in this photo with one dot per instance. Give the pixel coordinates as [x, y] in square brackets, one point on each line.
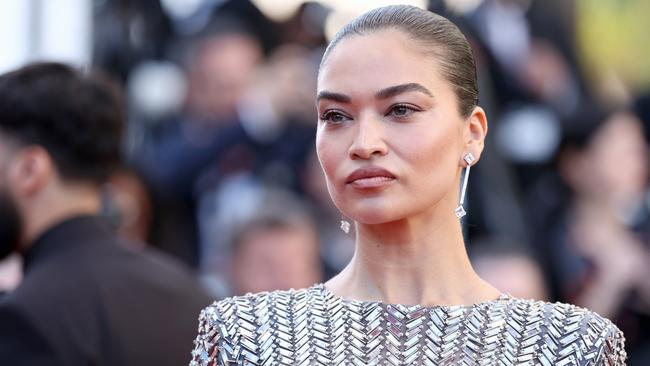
[88, 299]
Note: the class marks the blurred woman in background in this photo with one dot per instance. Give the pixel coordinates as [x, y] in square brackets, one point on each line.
[595, 241]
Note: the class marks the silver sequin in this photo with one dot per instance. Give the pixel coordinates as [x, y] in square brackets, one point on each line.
[314, 327]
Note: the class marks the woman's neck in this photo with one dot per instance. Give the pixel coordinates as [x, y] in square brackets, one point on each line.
[412, 261]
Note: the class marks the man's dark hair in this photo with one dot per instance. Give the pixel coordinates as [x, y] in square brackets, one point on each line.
[77, 117]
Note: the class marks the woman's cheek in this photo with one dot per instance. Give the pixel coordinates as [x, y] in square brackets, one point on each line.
[328, 157]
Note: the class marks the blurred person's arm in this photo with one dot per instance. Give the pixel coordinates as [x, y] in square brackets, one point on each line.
[619, 268]
[21, 344]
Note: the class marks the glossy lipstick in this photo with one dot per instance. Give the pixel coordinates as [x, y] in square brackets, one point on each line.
[370, 177]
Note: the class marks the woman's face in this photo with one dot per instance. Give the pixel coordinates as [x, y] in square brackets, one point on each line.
[390, 138]
[616, 163]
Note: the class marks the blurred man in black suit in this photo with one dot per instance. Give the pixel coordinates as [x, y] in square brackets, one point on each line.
[86, 297]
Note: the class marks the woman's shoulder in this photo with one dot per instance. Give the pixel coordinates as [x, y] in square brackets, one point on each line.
[252, 308]
[555, 311]
[233, 324]
[574, 328]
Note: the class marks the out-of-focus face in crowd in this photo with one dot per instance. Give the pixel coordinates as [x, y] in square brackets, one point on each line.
[291, 81]
[221, 68]
[275, 256]
[619, 158]
[614, 164]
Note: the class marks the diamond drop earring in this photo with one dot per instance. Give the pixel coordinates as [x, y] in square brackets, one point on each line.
[345, 226]
[460, 210]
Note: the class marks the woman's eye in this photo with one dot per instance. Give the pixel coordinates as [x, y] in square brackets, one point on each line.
[333, 117]
[402, 111]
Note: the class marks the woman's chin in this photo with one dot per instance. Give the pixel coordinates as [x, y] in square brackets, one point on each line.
[374, 215]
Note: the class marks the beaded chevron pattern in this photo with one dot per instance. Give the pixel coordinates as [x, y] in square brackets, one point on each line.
[314, 327]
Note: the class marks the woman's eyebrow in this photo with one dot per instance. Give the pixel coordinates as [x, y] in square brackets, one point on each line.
[385, 93]
[336, 97]
[392, 91]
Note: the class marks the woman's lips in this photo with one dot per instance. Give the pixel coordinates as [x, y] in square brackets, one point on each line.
[370, 177]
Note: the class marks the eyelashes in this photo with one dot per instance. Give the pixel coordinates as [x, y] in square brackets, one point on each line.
[396, 111]
[403, 110]
[333, 117]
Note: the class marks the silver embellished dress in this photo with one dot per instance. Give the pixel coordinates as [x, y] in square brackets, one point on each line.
[315, 327]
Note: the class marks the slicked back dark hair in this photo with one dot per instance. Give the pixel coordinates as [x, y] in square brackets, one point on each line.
[436, 36]
[77, 117]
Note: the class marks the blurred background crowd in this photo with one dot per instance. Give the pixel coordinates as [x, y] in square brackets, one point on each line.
[219, 163]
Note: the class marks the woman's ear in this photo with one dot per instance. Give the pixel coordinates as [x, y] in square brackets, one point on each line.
[476, 128]
[31, 170]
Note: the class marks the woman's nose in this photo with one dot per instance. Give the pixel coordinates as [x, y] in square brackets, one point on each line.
[369, 139]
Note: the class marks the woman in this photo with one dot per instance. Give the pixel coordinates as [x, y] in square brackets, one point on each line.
[398, 123]
[596, 239]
